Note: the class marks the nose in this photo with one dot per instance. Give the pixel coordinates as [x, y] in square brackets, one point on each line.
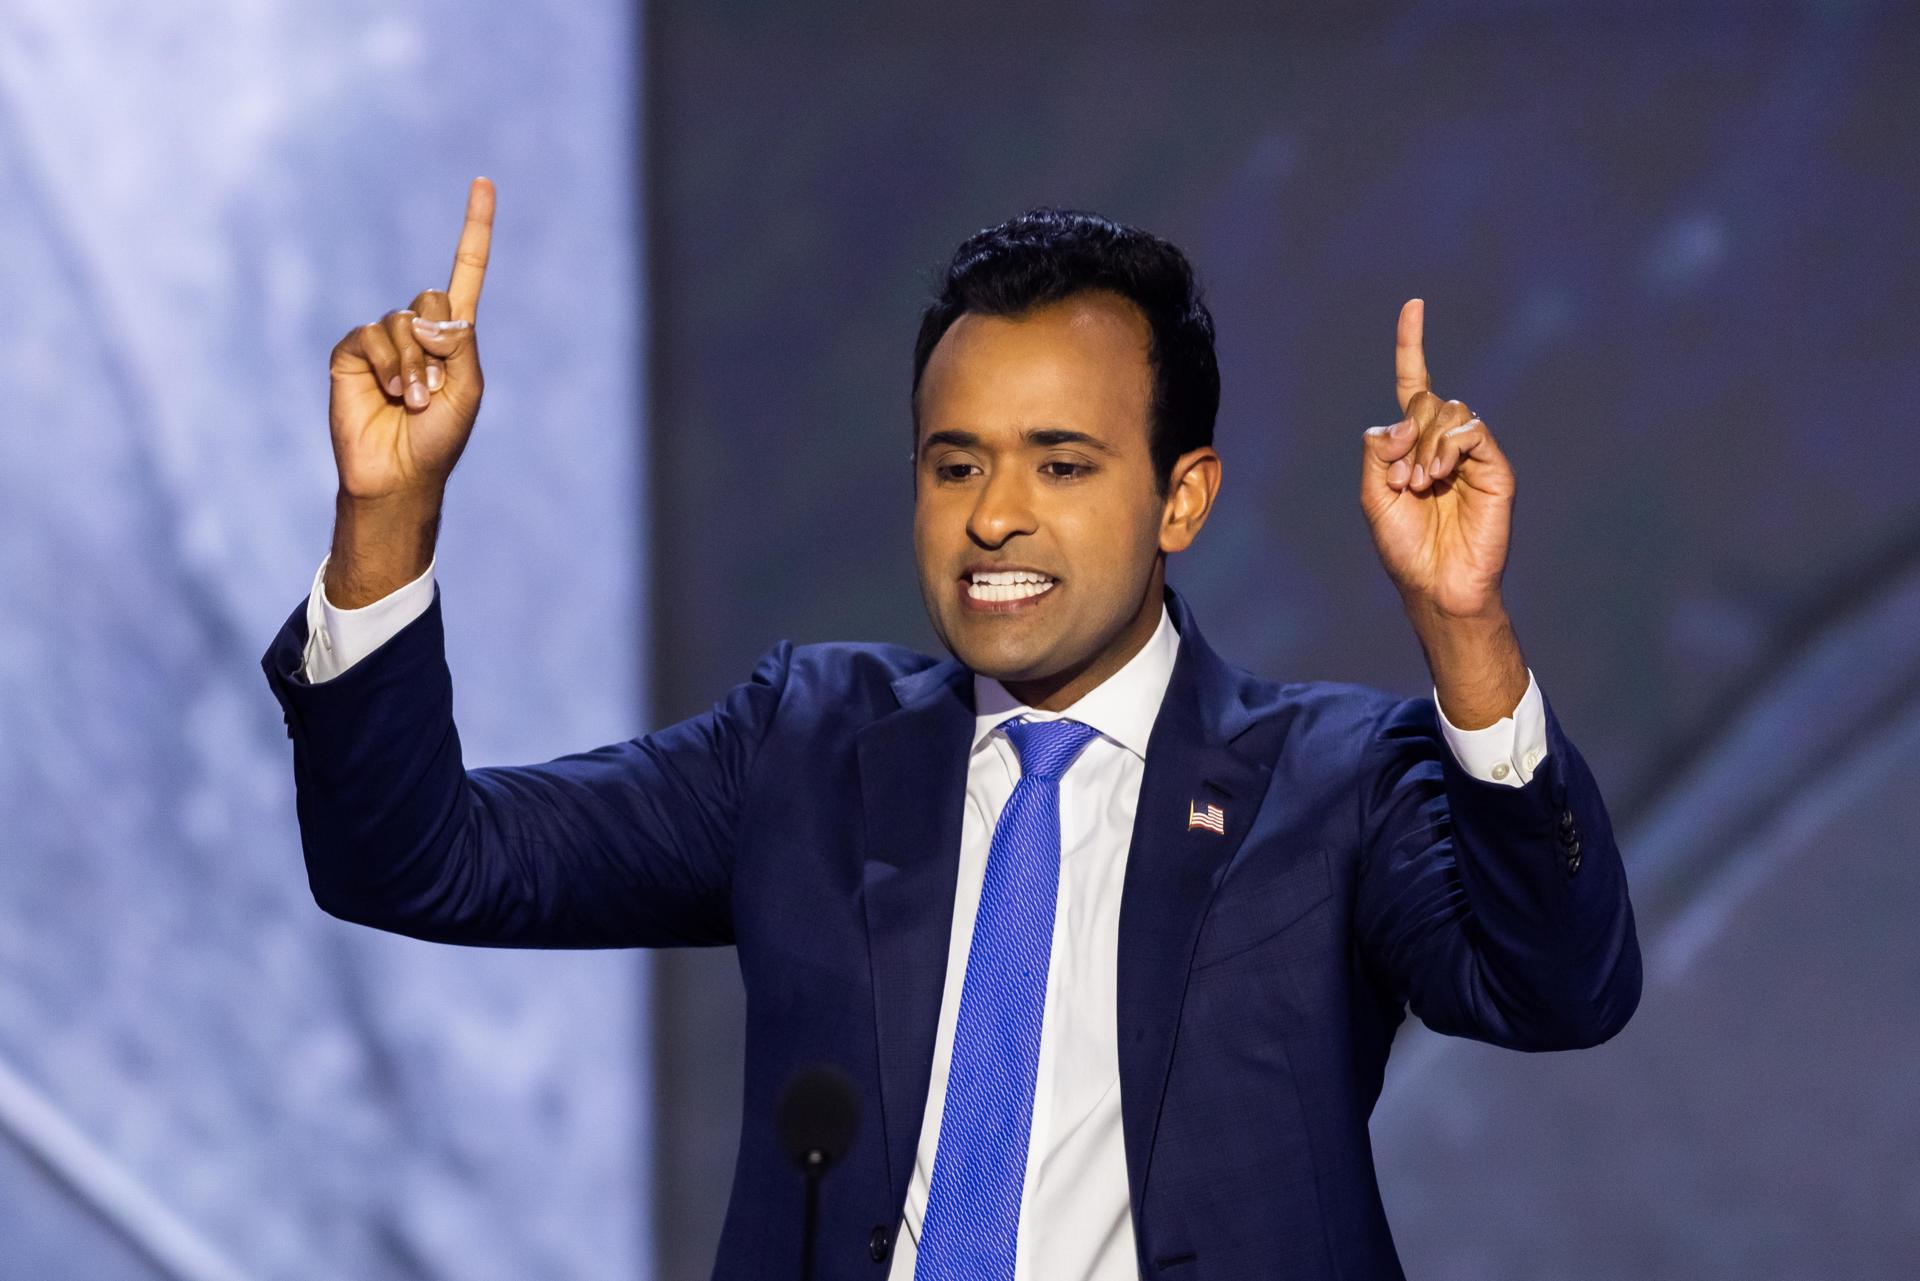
[1002, 510]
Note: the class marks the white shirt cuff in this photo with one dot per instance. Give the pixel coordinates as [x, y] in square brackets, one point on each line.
[338, 638]
[1507, 751]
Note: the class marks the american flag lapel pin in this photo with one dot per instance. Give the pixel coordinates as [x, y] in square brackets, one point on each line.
[1213, 818]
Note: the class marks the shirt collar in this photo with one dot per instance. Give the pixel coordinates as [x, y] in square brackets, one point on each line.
[1123, 707]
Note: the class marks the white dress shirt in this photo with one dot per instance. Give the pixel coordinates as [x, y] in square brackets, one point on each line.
[1075, 1218]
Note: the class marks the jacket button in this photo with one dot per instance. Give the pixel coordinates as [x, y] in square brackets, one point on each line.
[877, 1243]
[1573, 858]
[1566, 820]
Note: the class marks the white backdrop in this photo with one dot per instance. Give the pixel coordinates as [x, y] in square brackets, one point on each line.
[201, 1075]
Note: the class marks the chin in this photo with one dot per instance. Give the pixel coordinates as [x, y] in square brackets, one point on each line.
[1023, 659]
[1001, 663]
[1004, 658]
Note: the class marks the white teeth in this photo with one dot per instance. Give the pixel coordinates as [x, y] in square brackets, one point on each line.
[1007, 591]
[1008, 584]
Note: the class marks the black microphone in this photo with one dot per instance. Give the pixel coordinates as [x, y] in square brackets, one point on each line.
[818, 1114]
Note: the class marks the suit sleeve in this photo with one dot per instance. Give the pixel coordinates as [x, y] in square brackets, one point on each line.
[1497, 912]
[630, 844]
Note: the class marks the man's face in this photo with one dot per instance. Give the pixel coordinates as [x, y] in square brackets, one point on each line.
[1036, 518]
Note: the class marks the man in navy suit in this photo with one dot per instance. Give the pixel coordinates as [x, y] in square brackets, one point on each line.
[1110, 937]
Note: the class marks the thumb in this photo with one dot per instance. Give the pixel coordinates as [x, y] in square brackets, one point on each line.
[1386, 465]
[1385, 445]
[449, 341]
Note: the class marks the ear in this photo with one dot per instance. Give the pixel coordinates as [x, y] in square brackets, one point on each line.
[1191, 489]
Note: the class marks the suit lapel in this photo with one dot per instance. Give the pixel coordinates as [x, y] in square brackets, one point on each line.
[1172, 871]
[913, 772]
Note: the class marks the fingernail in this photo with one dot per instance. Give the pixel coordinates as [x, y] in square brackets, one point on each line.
[1401, 428]
[416, 395]
[425, 326]
[1397, 474]
[393, 385]
[433, 378]
[1419, 475]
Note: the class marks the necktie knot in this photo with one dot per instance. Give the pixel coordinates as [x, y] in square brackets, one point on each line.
[1047, 748]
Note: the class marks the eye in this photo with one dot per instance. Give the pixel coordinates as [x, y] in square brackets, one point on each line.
[1065, 469]
[953, 471]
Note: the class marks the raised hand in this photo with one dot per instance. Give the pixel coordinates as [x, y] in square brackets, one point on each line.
[406, 388]
[1437, 492]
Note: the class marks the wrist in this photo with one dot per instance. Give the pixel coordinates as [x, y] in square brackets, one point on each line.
[380, 544]
[1427, 613]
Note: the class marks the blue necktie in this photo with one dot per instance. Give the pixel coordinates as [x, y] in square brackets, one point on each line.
[979, 1168]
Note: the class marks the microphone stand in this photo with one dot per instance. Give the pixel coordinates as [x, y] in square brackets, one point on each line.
[816, 1165]
[818, 1114]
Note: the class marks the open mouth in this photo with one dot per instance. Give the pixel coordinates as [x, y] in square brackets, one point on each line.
[1007, 587]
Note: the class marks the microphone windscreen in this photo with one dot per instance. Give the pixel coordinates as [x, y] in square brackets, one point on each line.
[818, 1113]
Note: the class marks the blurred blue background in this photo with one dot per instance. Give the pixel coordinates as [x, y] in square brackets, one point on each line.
[1667, 251]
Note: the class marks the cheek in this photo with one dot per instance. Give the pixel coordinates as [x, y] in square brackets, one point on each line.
[934, 527]
[1108, 536]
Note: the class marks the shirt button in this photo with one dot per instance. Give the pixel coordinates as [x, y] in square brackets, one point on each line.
[1532, 759]
[877, 1244]
[326, 641]
[1500, 770]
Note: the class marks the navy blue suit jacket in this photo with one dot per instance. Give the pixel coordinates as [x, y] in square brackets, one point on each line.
[812, 818]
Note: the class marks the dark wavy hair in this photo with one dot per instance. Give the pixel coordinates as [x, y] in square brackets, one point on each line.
[1045, 255]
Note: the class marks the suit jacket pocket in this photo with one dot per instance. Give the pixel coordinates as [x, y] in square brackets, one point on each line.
[1261, 900]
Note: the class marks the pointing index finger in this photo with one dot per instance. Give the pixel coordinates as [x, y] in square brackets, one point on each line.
[470, 259]
[1410, 353]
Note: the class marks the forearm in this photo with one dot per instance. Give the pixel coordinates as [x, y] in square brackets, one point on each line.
[400, 836]
[379, 784]
[1502, 911]
[380, 545]
[1556, 952]
[1478, 671]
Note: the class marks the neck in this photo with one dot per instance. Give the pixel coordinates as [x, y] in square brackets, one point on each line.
[1058, 692]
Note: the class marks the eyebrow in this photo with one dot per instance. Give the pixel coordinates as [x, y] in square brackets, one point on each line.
[1043, 437]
